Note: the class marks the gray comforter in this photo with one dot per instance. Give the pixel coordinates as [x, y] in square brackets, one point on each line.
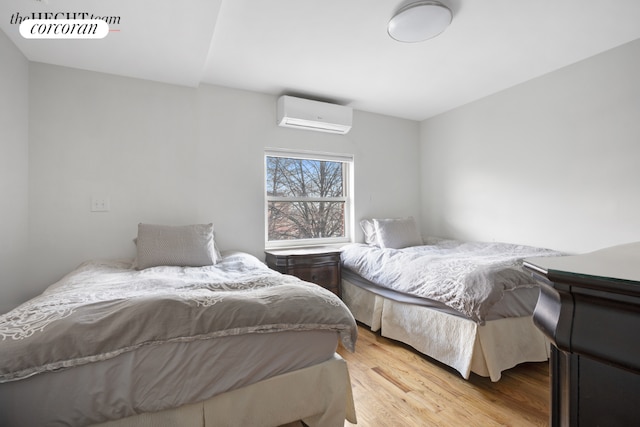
[469, 277]
[103, 309]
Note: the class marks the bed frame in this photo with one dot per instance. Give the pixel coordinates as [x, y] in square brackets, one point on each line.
[447, 337]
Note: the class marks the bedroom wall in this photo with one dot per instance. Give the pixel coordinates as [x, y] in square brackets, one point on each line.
[14, 155]
[552, 162]
[176, 155]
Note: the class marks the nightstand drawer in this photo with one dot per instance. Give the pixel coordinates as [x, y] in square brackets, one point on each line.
[324, 276]
[313, 261]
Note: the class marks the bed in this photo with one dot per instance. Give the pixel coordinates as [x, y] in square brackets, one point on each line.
[468, 305]
[225, 343]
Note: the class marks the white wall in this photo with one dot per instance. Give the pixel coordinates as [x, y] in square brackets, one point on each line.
[175, 155]
[14, 149]
[553, 162]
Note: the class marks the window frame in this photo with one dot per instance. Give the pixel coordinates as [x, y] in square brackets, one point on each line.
[347, 183]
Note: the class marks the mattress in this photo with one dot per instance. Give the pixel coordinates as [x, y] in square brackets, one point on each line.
[479, 280]
[515, 303]
[152, 379]
[319, 395]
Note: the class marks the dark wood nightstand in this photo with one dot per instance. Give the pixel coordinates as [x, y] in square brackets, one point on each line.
[317, 265]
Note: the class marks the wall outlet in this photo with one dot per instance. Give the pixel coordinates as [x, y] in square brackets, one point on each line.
[100, 204]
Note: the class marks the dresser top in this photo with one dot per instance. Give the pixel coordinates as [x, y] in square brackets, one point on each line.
[617, 265]
[618, 262]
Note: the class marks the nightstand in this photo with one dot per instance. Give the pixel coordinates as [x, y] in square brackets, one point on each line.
[317, 265]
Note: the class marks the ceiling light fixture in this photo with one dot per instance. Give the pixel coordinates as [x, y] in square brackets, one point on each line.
[419, 21]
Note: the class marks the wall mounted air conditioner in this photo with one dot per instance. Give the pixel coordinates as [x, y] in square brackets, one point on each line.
[313, 115]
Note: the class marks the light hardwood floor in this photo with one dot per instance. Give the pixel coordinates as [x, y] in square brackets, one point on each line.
[395, 386]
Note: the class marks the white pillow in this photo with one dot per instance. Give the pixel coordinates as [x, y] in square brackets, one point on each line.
[187, 245]
[369, 229]
[397, 232]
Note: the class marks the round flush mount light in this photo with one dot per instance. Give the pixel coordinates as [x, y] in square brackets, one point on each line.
[419, 21]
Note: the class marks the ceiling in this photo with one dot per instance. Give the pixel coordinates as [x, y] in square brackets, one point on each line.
[335, 50]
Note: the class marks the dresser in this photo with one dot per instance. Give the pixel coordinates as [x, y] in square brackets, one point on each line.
[589, 307]
[317, 265]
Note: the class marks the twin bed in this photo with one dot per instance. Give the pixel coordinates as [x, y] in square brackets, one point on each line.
[183, 336]
[468, 305]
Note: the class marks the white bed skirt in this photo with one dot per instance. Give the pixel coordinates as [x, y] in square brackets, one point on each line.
[319, 395]
[458, 342]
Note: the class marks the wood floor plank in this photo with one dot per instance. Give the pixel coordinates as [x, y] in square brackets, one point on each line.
[393, 385]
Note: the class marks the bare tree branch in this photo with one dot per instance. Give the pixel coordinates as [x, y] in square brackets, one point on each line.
[298, 178]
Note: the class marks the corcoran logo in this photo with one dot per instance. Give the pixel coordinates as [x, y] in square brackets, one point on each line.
[64, 25]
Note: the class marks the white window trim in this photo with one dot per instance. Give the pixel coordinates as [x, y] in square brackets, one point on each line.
[348, 198]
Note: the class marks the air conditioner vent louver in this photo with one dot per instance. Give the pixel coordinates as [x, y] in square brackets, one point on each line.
[313, 115]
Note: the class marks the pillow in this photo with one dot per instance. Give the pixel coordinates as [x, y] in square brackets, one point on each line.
[397, 232]
[185, 246]
[370, 236]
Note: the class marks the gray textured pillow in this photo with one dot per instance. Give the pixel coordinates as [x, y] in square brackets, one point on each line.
[187, 245]
[397, 232]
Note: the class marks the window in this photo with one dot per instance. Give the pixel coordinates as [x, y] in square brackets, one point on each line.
[308, 198]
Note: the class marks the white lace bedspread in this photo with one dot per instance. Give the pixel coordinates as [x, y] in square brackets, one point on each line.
[469, 277]
[103, 309]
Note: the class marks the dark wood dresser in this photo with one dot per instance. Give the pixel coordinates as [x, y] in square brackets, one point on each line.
[589, 307]
[317, 265]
